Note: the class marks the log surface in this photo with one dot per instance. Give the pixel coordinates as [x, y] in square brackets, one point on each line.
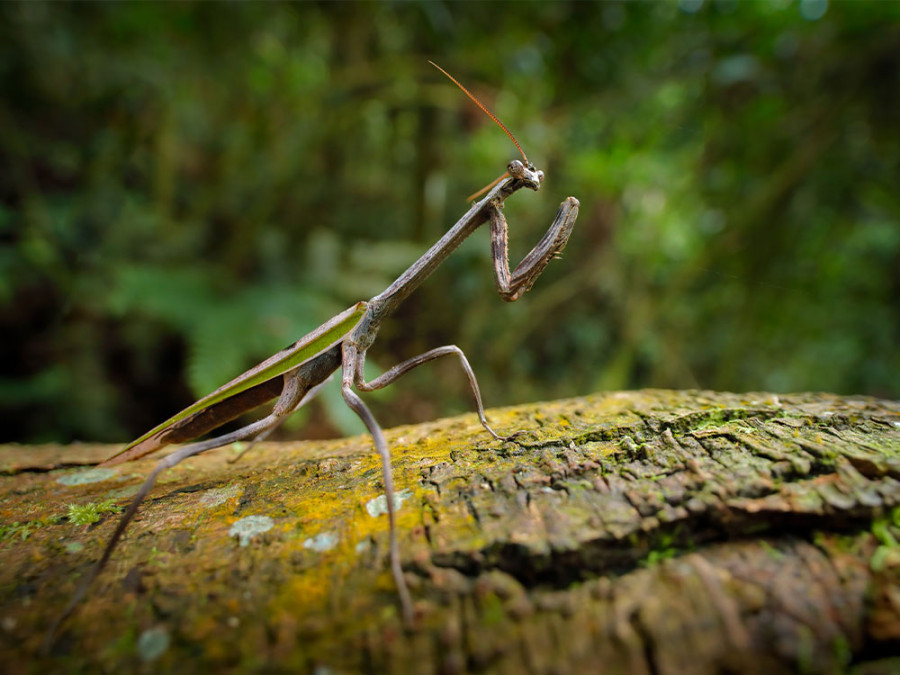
[640, 532]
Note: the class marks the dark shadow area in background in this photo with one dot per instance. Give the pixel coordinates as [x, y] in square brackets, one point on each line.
[185, 189]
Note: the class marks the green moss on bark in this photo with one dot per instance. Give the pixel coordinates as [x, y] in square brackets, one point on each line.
[640, 532]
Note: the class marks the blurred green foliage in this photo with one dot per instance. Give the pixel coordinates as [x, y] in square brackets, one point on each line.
[185, 188]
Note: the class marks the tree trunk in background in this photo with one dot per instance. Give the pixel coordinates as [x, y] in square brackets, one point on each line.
[646, 532]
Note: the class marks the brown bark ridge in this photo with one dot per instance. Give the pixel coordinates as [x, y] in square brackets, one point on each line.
[642, 532]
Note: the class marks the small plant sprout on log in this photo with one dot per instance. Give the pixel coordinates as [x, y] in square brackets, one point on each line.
[294, 375]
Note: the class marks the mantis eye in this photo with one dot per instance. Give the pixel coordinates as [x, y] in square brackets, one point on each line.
[516, 169]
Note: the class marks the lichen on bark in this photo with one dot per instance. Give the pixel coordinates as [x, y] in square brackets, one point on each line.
[651, 531]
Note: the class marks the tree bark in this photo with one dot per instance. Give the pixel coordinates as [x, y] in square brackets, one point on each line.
[644, 532]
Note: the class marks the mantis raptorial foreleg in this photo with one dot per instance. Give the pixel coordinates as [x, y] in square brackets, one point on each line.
[512, 287]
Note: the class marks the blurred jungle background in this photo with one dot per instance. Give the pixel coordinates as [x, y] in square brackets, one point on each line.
[186, 188]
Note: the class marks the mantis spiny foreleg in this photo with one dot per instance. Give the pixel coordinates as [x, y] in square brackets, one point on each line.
[512, 287]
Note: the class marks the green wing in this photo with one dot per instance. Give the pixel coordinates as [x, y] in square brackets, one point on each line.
[307, 347]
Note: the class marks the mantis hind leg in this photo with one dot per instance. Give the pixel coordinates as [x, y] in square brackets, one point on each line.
[292, 396]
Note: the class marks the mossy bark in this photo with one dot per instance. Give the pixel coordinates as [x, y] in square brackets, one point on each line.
[645, 532]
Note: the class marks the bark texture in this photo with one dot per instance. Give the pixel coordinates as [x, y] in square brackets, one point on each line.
[644, 532]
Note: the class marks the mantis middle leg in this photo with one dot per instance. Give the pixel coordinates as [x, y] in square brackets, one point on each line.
[354, 362]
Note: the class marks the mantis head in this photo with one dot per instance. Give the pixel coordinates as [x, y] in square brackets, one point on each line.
[526, 173]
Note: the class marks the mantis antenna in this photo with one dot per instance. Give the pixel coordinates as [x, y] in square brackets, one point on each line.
[493, 117]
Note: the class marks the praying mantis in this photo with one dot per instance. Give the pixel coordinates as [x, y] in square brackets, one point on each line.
[295, 374]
